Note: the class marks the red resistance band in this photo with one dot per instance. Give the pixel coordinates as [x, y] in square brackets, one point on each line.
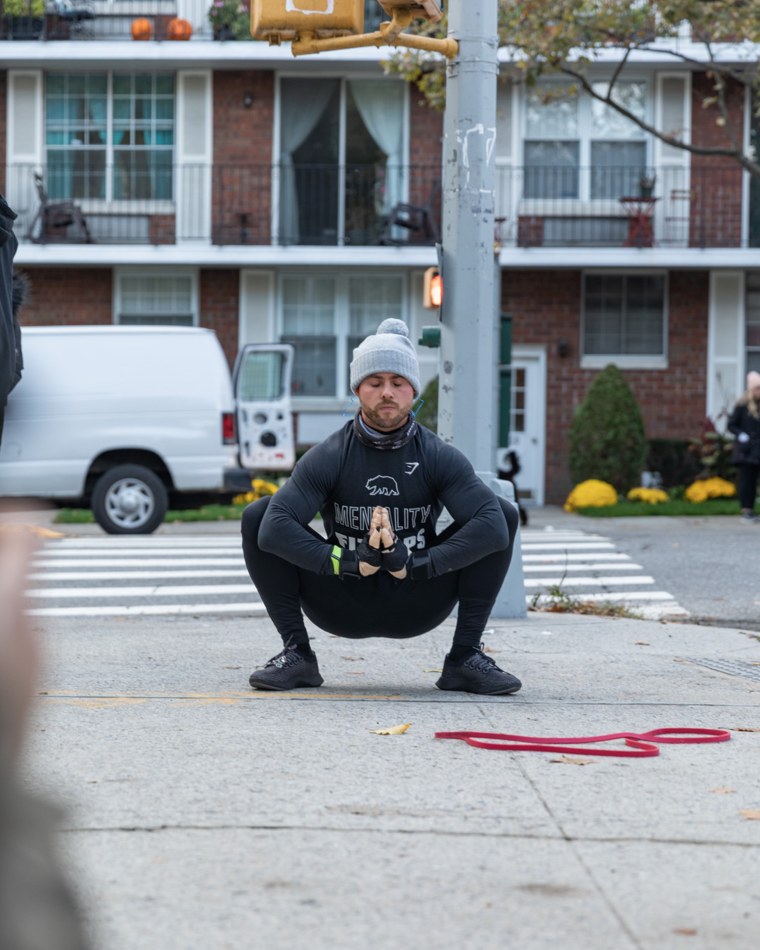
[642, 742]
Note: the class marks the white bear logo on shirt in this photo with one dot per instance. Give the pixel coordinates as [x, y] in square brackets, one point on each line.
[382, 485]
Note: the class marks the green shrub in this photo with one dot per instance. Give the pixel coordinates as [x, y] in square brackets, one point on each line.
[427, 414]
[607, 439]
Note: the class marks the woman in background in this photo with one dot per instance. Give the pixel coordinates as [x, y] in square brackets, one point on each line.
[744, 423]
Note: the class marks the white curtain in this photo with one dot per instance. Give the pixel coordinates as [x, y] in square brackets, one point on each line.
[381, 107]
[299, 118]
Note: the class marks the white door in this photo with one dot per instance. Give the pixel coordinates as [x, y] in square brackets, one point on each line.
[527, 422]
[264, 416]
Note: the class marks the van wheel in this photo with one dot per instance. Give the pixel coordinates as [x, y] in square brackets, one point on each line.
[129, 499]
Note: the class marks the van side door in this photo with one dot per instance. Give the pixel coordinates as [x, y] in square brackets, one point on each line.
[261, 380]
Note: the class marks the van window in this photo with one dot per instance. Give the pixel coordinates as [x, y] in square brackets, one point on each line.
[260, 377]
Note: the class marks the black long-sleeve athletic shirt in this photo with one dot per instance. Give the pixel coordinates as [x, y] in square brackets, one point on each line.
[344, 479]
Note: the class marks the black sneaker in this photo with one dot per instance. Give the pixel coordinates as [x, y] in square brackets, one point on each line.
[477, 673]
[287, 670]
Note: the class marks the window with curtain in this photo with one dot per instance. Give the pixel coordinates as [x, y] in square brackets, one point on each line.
[109, 135]
[325, 317]
[624, 315]
[156, 300]
[578, 147]
[341, 148]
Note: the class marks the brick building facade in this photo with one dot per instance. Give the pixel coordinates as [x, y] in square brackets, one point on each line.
[270, 225]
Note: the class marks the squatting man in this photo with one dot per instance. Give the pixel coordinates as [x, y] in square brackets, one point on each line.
[380, 483]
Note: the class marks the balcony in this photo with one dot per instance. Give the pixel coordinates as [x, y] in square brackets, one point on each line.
[138, 203]
[143, 201]
[705, 206]
[113, 20]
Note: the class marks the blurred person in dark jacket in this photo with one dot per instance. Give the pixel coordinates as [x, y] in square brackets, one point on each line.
[37, 908]
[11, 297]
[744, 424]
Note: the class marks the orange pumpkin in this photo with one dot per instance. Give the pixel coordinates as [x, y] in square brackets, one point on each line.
[142, 29]
[179, 29]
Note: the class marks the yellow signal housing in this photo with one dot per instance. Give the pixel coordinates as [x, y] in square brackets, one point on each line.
[276, 20]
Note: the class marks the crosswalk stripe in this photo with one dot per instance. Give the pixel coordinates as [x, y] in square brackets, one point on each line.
[588, 581]
[57, 576]
[569, 545]
[143, 562]
[216, 550]
[255, 608]
[587, 566]
[620, 595]
[169, 590]
[561, 556]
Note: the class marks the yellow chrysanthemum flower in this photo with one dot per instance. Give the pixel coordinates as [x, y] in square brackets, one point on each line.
[591, 494]
[651, 496]
[259, 488]
[709, 488]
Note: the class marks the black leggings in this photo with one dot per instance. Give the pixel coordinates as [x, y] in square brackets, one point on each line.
[376, 606]
[748, 485]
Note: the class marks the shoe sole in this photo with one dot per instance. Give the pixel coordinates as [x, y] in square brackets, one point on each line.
[479, 692]
[260, 684]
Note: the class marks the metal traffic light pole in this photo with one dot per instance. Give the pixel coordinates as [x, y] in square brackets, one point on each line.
[468, 379]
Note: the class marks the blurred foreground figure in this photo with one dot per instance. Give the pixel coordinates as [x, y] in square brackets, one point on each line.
[37, 909]
[11, 297]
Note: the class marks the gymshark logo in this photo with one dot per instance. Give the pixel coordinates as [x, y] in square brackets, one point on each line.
[411, 467]
[382, 485]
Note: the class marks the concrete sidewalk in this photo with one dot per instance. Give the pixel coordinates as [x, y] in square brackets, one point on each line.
[201, 814]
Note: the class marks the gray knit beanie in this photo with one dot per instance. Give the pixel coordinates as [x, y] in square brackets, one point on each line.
[388, 351]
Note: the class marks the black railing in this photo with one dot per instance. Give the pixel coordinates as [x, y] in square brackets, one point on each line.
[142, 200]
[707, 205]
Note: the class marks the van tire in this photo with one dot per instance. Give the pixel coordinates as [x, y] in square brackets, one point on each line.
[129, 499]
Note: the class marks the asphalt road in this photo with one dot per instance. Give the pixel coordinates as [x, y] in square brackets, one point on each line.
[710, 565]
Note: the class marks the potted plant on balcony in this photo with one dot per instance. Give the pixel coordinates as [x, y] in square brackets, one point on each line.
[646, 185]
[23, 19]
[230, 19]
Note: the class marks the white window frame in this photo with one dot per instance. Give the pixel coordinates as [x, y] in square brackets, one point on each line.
[123, 206]
[121, 272]
[341, 328]
[583, 203]
[626, 361]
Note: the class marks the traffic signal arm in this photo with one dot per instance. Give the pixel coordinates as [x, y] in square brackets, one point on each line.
[308, 43]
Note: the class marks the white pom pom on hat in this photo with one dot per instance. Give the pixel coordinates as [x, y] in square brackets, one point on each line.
[389, 350]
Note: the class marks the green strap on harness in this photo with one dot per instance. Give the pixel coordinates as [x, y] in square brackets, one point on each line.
[335, 556]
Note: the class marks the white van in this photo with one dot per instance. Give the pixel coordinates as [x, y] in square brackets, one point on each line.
[130, 420]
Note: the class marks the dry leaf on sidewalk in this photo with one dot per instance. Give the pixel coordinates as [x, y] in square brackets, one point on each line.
[744, 729]
[723, 790]
[393, 730]
[572, 760]
[750, 814]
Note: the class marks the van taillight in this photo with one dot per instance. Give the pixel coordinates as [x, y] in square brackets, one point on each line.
[229, 435]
